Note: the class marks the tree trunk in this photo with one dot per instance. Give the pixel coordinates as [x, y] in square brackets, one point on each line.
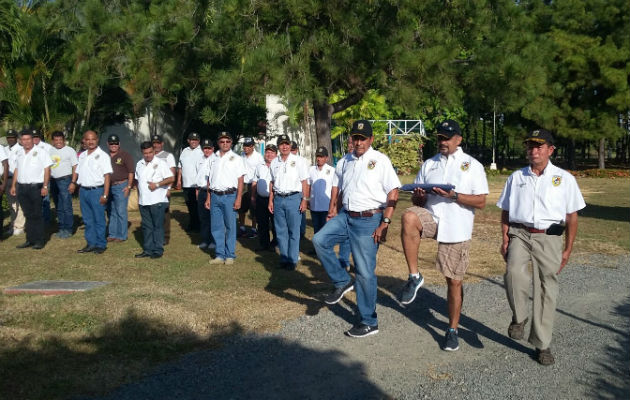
[602, 154]
[323, 116]
[571, 154]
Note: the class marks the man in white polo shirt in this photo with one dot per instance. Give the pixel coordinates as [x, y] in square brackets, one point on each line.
[539, 203]
[203, 172]
[446, 217]
[260, 200]
[252, 159]
[30, 183]
[93, 175]
[158, 146]
[65, 163]
[320, 179]
[227, 172]
[4, 177]
[153, 177]
[186, 175]
[288, 201]
[17, 215]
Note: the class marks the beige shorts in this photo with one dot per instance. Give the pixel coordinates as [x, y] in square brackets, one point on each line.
[452, 258]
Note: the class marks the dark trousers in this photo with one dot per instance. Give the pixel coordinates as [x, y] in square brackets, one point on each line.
[264, 219]
[204, 217]
[190, 196]
[167, 223]
[319, 220]
[153, 228]
[30, 199]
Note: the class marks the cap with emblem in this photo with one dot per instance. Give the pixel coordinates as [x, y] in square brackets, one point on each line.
[361, 128]
[156, 138]
[321, 152]
[248, 141]
[193, 136]
[113, 139]
[35, 133]
[272, 147]
[294, 145]
[11, 133]
[207, 143]
[448, 129]
[284, 139]
[224, 135]
[541, 136]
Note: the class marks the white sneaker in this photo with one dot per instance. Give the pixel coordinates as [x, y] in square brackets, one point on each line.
[211, 246]
[217, 260]
[203, 245]
[229, 261]
[18, 232]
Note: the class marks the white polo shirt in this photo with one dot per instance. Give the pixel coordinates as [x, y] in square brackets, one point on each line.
[31, 165]
[154, 171]
[3, 156]
[168, 157]
[321, 182]
[539, 201]
[12, 153]
[455, 221]
[262, 177]
[44, 146]
[225, 170]
[188, 164]
[203, 172]
[92, 168]
[366, 181]
[287, 176]
[251, 162]
[64, 159]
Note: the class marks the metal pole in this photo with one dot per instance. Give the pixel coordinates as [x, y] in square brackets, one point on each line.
[493, 166]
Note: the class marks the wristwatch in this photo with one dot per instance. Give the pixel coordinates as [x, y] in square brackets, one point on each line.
[454, 197]
[105, 196]
[387, 220]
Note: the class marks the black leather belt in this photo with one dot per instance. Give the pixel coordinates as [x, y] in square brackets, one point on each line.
[91, 187]
[62, 177]
[285, 194]
[224, 192]
[366, 213]
[31, 184]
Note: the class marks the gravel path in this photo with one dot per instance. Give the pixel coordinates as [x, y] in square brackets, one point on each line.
[311, 358]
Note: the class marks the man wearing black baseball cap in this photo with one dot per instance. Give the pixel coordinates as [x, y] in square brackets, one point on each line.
[16, 226]
[123, 168]
[158, 146]
[186, 175]
[320, 178]
[252, 159]
[539, 203]
[203, 173]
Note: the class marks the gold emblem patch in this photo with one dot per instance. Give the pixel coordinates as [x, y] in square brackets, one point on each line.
[556, 180]
[293, 163]
[535, 133]
[34, 154]
[119, 161]
[372, 164]
[231, 158]
[155, 166]
[56, 159]
[327, 172]
[360, 125]
[465, 166]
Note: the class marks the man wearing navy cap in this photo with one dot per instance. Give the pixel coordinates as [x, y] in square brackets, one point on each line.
[203, 173]
[158, 147]
[122, 181]
[17, 215]
[539, 203]
[320, 179]
[368, 192]
[186, 175]
[446, 217]
[252, 159]
[260, 198]
[4, 177]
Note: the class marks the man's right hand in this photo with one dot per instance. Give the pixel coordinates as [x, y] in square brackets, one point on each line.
[504, 248]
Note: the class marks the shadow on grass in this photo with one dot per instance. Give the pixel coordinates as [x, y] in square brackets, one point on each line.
[610, 213]
[127, 350]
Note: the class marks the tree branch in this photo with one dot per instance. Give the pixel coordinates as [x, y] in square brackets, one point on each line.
[348, 101]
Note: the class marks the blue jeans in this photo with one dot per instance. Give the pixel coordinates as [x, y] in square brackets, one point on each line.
[359, 232]
[117, 211]
[93, 214]
[223, 224]
[63, 202]
[287, 220]
[153, 228]
[319, 220]
[344, 253]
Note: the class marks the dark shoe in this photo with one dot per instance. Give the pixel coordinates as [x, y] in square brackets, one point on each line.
[99, 250]
[544, 357]
[142, 255]
[252, 235]
[408, 294]
[516, 330]
[86, 249]
[359, 331]
[451, 341]
[338, 293]
[156, 256]
[24, 245]
[261, 249]
[38, 246]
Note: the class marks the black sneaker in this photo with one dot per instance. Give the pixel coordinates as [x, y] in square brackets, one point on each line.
[338, 293]
[410, 290]
[362, 330]
[86, 249]
[24, 245]
[451, 341]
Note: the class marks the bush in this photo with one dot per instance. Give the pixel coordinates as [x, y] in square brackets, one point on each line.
[602, 173]
[403, 152]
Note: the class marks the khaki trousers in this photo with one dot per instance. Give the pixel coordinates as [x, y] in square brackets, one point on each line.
[17, 215]
[545, 254]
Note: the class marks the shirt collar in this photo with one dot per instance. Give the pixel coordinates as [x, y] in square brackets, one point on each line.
[458, 153]
[369, 150]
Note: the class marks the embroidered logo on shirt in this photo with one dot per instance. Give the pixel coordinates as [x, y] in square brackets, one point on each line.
[97, 156]
[154, 166]
[293, 163]
[35, 154]
[465, 166]
[556, 180]
[231, 158]
[119, 161]
[327, 172]
[372, 164]
[56, 159]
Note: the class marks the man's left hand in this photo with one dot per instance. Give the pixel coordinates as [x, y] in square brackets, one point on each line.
[380, 234]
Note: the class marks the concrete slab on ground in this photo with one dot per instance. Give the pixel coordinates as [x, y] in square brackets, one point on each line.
[54, 287]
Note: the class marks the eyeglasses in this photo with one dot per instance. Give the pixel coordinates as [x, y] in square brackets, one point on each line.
[224, 141]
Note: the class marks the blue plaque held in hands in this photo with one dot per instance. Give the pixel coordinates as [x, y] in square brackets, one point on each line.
[426, 186]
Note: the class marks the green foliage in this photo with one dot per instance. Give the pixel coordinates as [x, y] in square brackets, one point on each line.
[402, 151]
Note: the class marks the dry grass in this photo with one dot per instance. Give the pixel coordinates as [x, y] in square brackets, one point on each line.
[153, 311]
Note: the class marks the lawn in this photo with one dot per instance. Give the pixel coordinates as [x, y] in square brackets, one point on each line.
[155, 310]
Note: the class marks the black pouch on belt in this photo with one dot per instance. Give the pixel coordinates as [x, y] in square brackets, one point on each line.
[555, 229]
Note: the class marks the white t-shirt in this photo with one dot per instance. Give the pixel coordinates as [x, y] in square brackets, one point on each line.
[154, 171]
[92, 168]
[64, 159]
[287, 176]
[366, 181]
[31, 165]
[321, 182]
[455, 221]
[262, 177]
[225, 170]
[539, 201]
[188, 164]
[251, 162]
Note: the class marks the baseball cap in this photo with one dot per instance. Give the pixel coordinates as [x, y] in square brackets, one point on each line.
[224, 135]
[193, 136]
[271, 147]
[294, 145]
[283, 139]
[113, 139]
[321, 151]
[207, 143]
[248, 141]
[362, 128]
[35, 133]
[449, 128]
[156, 138]
[541, 136]
[11, 133]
